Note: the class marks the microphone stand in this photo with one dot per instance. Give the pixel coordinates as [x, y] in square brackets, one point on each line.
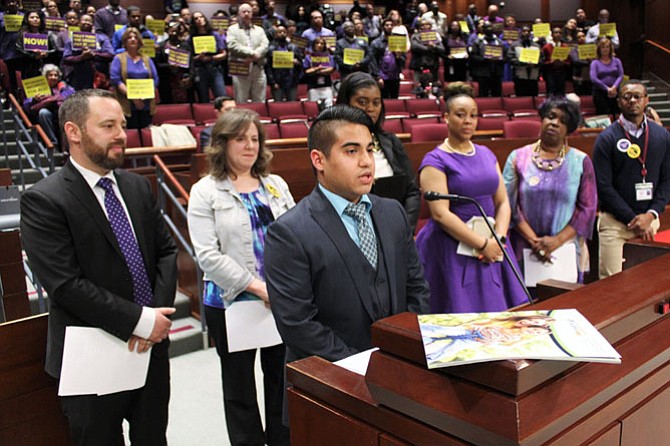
[432, 196]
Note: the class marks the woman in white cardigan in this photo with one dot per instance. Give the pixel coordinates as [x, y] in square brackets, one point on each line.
[228, 213]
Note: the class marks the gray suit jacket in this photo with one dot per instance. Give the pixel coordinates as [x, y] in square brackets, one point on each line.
[74, 253]
[321, 304]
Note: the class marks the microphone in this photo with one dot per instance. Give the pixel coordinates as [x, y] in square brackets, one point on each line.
[434, 196]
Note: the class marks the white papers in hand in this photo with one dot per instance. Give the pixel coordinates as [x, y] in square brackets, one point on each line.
[97, 363]
[250, 325]
[357, 363]
[563, 266]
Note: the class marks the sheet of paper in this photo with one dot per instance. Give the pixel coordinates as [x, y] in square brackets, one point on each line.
[563, 266]
[250, 325]
[97, 363]
[357, 363]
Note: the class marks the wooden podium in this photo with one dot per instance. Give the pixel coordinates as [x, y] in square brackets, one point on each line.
[401, 402]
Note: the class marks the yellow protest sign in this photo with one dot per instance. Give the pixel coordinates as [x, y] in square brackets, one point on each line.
[458, 52]
[239, 68]
[140, 88]
[35, 86]
[330, 41]
[607, 29]
[541, 30]
[282, 59]
[560, 53]
[157, 27]
[73, 29]
[587, 51]
[117, 27]
[204, 44]
[219, 23]
[397, 43]
[493, 52]
[428, 36]
[511, 34]
[464, 27]
[529, 55]
[148, 47]
[13, 22]
[81, 40]
[179, 58]
[353, 56]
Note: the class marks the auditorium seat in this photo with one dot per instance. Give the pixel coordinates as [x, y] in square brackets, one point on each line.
[508, 89]
[310, 108]
[395, 108]
[520, 106]
[258, 107]
[147, 140]
[586, 105]
[491, 123]
[521, 129]
[173, 114]
[271, 130]
[409, 123]
[204, 114]
[405, 91]
[133, 138]
[302, 92]
[294, 129]
[286, 111]
[424, 107]
[393, 125]
[429, 132]
[490, 107]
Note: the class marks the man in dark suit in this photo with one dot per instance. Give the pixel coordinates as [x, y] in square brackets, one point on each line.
[221, 105]
[341, 259]
[96, 275]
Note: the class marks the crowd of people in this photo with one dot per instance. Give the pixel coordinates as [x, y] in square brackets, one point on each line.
[345, 256]
[252, 47]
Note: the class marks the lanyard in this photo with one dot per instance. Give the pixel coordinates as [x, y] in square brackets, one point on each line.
[643, 156]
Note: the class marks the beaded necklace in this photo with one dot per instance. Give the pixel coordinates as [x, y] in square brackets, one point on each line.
[551, 164]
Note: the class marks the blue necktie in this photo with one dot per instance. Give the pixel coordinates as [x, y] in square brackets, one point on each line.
[368, 240]
[131, 251]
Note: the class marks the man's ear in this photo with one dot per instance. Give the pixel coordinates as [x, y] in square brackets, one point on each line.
[317, 158]
[72, 131]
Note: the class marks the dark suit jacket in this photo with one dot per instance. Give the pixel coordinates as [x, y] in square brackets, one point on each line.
[205, 137]
[73, 252]
[320, 303]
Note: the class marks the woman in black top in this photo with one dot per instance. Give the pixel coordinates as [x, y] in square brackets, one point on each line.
[392, 165]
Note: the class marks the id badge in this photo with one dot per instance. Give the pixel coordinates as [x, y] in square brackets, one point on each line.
[644, 191]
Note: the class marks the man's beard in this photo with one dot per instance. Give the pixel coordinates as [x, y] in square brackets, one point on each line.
[99, 155]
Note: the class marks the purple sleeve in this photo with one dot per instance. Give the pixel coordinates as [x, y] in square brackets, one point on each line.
[431, 159]
[115, 72]
[595, 65]
[154, 73]
[587, 202]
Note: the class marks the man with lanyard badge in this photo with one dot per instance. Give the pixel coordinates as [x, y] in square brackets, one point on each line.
[631, 159]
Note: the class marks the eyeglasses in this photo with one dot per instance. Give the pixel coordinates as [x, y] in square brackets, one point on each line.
[630, 97]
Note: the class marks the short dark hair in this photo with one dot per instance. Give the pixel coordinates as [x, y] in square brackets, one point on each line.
[569, 108]
[323, 132]
[454, 90]
[632, 82]
[218, 102]
[228, 126]
[354, 82]
[133, 8]
[75, 108]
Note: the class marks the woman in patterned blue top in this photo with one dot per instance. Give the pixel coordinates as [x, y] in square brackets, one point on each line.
[228, 213]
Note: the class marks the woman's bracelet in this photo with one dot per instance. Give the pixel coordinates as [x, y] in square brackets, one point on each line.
[486, 242]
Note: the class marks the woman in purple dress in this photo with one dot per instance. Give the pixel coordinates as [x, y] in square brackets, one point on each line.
[552, 189]
[460, 259]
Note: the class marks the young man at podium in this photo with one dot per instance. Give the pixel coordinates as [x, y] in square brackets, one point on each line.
[342, 258]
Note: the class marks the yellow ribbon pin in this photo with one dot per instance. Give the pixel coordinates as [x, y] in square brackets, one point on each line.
[273, 190]
[633, 151]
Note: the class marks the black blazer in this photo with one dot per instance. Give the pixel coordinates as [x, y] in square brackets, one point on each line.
[319, 299]
[73, 252]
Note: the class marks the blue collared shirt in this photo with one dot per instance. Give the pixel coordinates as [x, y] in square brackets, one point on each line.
[339, 203]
